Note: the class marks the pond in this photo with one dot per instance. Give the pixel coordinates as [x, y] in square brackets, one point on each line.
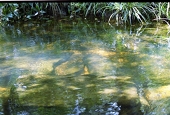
[83, 67]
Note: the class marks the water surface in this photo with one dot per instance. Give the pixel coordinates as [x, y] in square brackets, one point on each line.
[68, 67]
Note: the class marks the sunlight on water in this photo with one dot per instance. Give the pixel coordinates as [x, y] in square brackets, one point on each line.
[84, 69]
[158, 93]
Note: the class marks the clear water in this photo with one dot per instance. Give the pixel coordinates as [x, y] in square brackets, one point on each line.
[82, 67]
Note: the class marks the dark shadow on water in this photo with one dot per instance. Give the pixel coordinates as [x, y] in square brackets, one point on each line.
[12, 106]
[129, 106]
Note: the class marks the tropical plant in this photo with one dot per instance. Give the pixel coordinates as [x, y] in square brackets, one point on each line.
[127, 12]
[162, 11]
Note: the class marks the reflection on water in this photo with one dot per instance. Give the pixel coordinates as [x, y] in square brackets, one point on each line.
[78, 67]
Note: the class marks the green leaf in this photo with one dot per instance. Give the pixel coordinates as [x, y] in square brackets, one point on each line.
[10, 15]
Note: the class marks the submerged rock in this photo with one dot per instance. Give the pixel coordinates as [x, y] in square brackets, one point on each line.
[36, 94]
[99, 65]
[72, 66]
[95, 62]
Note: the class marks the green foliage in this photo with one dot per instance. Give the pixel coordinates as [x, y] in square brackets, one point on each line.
[120, 12]
[9, 10]
[86, 8]
[162, 11]
[129, 12]
[15, 11]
